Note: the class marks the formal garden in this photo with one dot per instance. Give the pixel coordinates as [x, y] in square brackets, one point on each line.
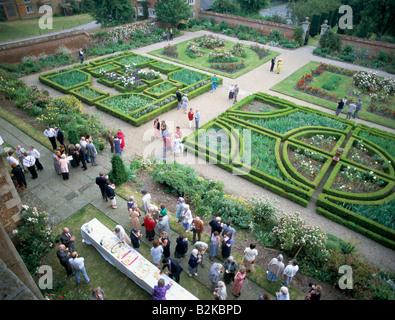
[216, 55]
[147, 86]
[324, 85]
[305, 149]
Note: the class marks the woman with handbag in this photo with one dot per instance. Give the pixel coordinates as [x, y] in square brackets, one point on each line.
[250, 254]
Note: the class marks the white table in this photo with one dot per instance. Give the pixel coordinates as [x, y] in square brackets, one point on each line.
[129, 261]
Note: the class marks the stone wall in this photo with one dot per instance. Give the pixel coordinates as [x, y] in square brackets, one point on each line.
[372, 47]
[14, 52]
[10, 202]
[266, 27]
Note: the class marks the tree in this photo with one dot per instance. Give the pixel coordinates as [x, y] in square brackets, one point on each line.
[253, 6]
[110, 13]
[119, 172]
[315, 25]
[172, 11]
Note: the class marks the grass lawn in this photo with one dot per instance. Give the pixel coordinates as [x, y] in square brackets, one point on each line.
[114, 283]
[252, 60]
[346, 84]
[19, 29]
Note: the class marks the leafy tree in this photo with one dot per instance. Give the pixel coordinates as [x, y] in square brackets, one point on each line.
[253, 6]
[172, 11]
[298, 11]
[225, 6]
[111, 13]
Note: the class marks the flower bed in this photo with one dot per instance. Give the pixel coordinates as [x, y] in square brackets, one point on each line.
[67, 80]
[162, 89]
[133, 59]
[170, 51]
[228, 67]
[126, 103]
[187, 77]
[260, 51]
[98, 71]
[164, 67]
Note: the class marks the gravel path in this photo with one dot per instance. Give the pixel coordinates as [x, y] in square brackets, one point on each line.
[139, 139]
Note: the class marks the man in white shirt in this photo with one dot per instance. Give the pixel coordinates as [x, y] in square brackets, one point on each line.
[29, 162]
[11, 159]
[34, 153]
[50, 133]
[290, 271]
[78, 266]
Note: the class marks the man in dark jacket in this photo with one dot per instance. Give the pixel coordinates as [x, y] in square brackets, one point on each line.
[174, 268]
[81, 156]
[101, 181]
[216, 225]
[179, 98]
[59, 135]
[63, 256]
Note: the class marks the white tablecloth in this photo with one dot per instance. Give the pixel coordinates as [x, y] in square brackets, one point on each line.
[128, 261]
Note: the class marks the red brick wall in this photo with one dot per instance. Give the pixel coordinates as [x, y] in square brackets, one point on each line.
[13, 53]
[372, 47]
[265, 26]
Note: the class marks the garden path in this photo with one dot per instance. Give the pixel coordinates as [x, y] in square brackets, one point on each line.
[139, 142]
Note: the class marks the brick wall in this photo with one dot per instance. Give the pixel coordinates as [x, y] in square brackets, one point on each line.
[14, 52]
[372, 47]
[266, 27]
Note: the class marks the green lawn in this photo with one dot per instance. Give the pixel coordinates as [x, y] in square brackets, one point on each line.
[114, 283]
[19, 29]
[252, 60]
[346, 84]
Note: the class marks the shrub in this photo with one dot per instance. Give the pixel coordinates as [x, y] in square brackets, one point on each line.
[119, 173]
[34, 237]
[332, 83]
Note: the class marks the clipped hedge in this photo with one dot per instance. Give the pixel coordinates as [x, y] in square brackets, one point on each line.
[46, 79]
[86, 99]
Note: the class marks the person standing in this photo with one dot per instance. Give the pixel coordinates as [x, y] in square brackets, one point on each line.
[64, 256]
[227, 228]
[180, 209]
[357, 108]
[56, 157]
[59, 135]
[145, 201]
[110, 139]
[230, 95]
[190, 117]
[181, 247]
[92, 152]
[117, 145]
[235, 93]
[314, 293]
[18, 175]
[164, 240]
[163, 223]
[340, 107]
[220, 291]
[197, 228]
[174, 268]
[273, 64]
[283, 294]
[275, 268]
[51, 135]
[121, 137]
[250, 254]
[227, 243]
[101, 181]
[214, 245]
[179, 98]
[134, 217]
[157, 128]
[19, 154]
[185, 102]
[110, 192]
[193, 263]
[238, 282]
[67, 238]
[81, 155]
[350, 110]
[159, 291]
[149, 225]
[216, 225]
[186, 218]
[214, 83]
[197, 119]
[231, 267]
[64, 166]
[290, 271]
[78, 265]
[279, 65]
[135, 237]
[214, 275]
[11, 159]
[28, 162]
[202, 248]
[81, 55]
[156, 252]
[171, 34]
